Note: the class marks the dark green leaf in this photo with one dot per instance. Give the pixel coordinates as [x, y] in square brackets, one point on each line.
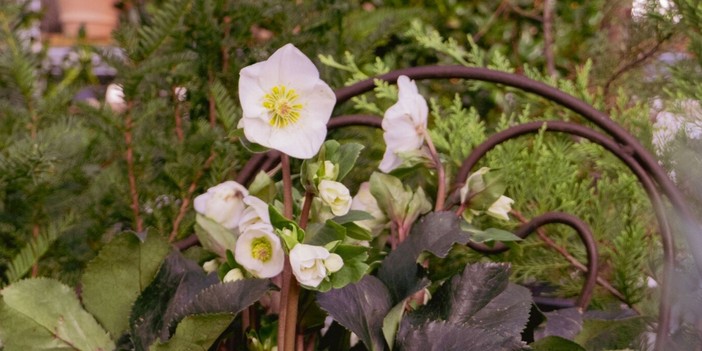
[175, 284]
[565, 323]
[361, 308]
[600, 334]
[555, 343]
[492, 234]
[444, 336]
[354, 268]
[230, 297]
[347, 156]
[353, 216]
[121, 271]
[436, 233]
[322, 234]
[196, 333]
[354, 231]
[44, 314]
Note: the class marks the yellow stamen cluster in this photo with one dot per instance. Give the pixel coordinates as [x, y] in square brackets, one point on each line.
[261, 249]
[281, 104]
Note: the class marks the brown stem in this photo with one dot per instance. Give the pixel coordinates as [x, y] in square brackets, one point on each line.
[211, 101]
[35, 235]
[290, 291]
[306, 206]
[581, 267]
[549, 10]
[440, 173]
[300, 342]
[185, 205]
[178, 117]
[129, 156]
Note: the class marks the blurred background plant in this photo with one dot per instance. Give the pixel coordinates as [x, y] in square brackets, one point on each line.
[76, 171]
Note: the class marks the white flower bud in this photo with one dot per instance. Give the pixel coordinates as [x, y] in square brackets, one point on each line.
[114, 97]
[210, 266]
[330, 170]
[233, 275]
[336, 195]
[474, 184]
[333, 263]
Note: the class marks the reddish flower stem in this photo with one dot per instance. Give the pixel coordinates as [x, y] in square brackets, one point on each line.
[290, 290]
[440, 174]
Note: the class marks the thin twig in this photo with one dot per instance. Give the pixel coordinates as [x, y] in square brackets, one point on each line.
[640, 59]
[549, 10]
[129, 156]
[501, 8]
[573, 261]
[185, 205]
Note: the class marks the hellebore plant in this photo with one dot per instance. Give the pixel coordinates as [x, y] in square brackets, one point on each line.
[325, 245]
[309, 255]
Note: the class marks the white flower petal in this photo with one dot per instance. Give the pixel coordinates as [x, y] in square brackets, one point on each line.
[290, 67]
[307, 262]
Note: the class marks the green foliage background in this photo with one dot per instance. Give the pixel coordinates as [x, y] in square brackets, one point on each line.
[65, 180]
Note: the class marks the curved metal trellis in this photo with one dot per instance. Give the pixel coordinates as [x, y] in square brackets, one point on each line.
[615, 139]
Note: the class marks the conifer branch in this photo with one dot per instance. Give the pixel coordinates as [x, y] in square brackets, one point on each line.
[572, 260]
[129, 157]
[185, 204]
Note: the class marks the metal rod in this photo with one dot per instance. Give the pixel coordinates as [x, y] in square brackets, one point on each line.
[585, 236]
[624, 154]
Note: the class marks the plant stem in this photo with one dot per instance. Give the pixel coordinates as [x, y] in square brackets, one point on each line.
[441, 174]
[305, 213]
[185, 205]
[290, 291]
[178, 116]
[35, 235]
[129, 156]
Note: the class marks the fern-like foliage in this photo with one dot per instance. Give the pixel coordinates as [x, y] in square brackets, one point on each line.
[37, 247]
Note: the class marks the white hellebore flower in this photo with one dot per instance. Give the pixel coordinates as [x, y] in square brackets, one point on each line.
[501, 207]
[404, 124]
[336, 195]
[286, 106]
[365, 201]
[259, 250]
[222, 203]
[311, 264]
[255, 214]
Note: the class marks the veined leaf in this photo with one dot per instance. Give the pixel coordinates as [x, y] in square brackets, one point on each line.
[43, 314]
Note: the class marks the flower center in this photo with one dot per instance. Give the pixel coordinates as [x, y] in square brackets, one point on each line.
[280, 101]
[261, 249]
